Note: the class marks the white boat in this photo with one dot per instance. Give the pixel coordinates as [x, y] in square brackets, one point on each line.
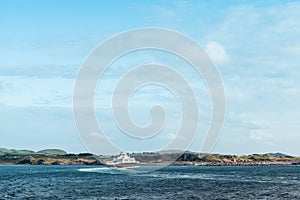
[123, 161]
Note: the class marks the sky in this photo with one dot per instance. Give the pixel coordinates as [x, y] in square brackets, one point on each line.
[255, 46]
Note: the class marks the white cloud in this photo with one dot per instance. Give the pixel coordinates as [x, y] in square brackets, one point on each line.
[35, 92]
[262, 137]
[97, 135]
[216, 52]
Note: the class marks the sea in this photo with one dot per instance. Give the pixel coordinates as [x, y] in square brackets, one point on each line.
[172, 182]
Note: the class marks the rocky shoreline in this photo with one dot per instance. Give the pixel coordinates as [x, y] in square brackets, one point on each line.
[49, 160]
[238, 164]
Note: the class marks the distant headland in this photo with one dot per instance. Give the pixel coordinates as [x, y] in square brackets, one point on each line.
[60, 157]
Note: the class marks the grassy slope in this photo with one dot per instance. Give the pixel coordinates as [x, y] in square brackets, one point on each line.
[52, 152]
[4, 151]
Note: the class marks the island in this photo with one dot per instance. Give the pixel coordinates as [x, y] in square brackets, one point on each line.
[46, 157]
[60, 157]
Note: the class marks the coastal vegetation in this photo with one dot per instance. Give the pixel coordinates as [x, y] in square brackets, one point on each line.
[60, 157]
[46, 157]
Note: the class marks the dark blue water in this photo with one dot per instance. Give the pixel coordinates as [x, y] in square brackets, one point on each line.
[181, 182]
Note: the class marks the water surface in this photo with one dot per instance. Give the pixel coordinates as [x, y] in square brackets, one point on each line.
[176, 182]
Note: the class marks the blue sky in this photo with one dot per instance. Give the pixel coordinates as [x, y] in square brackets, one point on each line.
[255, 46]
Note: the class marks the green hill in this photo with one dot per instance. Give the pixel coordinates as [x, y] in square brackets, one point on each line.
[4, 151]
[14, 152]
[52, 152]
